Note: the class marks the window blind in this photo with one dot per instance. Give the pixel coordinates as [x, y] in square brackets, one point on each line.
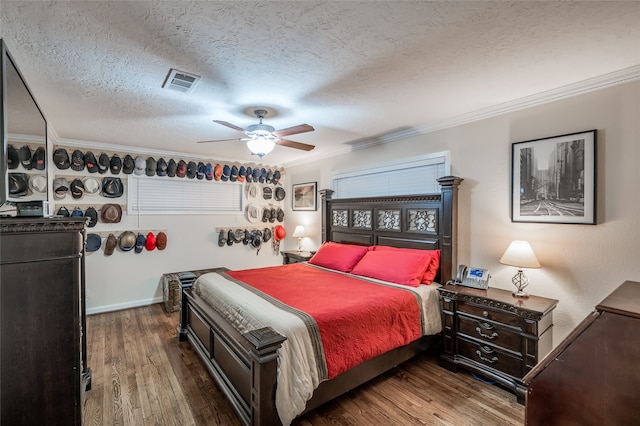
[415, 176]
[182, 196]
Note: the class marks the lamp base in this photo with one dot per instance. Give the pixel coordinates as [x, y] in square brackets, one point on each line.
[520, 281]
[520, 293]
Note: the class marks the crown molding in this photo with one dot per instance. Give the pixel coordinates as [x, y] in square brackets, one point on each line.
[596, 83]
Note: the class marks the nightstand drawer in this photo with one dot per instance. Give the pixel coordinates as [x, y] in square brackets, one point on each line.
[490, 314]
[490, 357]
[490, 332]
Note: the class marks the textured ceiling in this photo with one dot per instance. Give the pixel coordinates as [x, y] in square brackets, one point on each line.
[353, 70]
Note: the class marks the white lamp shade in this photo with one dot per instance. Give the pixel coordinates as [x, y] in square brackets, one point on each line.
[521, 255]
[298, 232]
[261, 146]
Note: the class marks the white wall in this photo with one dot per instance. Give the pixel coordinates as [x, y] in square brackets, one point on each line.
[581, 264]
[128, 279]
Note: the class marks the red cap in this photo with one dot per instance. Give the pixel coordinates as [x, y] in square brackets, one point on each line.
[151, 241]
[279, 232]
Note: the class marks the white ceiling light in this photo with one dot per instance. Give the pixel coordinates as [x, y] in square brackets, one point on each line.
[261, 144]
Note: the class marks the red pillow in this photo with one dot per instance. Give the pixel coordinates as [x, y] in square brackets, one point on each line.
[432, 269]
[393, 266]
[341, 257]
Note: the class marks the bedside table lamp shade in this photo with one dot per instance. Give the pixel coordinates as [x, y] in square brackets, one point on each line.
[521, 255]
[299, 233]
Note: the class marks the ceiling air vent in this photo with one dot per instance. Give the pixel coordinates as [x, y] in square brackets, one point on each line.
[180, 81]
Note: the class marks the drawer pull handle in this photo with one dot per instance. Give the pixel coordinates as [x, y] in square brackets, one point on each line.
[485, 314]
[485, 359]
[487, 336]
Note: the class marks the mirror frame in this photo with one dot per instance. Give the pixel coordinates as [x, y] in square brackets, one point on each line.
[7, 60]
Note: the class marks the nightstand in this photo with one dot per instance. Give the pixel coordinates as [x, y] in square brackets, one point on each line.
[295, 256]
[494, 334]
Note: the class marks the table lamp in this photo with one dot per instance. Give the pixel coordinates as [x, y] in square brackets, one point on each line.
[299, 234]
[521, 255]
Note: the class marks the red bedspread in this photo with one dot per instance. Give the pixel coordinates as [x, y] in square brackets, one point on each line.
[357, 319]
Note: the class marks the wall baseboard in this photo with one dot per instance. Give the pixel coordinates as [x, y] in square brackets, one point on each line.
[121, 306]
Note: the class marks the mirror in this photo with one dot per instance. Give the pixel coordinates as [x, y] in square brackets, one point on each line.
[23, 172]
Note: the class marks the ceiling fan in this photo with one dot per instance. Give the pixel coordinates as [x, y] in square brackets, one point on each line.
[262, 138]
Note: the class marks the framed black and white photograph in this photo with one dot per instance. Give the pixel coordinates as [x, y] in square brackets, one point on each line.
[553, 180]
[304, 196]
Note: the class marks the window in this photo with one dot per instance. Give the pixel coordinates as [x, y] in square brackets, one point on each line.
[182, 196]
[414, 176]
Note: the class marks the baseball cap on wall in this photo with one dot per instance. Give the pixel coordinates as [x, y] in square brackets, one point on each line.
[140, 166]
[128, 165]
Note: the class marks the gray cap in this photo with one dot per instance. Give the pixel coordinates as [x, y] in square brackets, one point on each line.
[141, 165]
[60, 188]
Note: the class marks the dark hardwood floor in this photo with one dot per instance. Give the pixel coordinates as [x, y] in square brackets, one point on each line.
[142, 375]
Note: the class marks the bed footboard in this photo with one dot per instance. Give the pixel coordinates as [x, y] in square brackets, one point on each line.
[244, 365]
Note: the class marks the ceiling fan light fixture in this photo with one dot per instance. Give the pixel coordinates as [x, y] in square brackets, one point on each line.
[261, 145]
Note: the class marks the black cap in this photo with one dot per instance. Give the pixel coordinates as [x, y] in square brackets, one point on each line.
[92, 214]
[172, 167]
[91, 162]
[13, 160]
[128, 165]
[192, 169]
[161, 169]
[77, 189]
[24, 154]
[200, 171]
[115, 164]
[77, 160]
[234, 174]
[18, 184]
[37, 161]
[103, 163]
[61, 159]
[63, 211]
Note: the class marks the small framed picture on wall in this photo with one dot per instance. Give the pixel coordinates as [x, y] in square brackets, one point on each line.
[304, 196]
[553, 180]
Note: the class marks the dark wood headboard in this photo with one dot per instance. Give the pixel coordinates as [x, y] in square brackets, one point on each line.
[427, 222]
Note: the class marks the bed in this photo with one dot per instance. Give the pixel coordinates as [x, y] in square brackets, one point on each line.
[243, 351]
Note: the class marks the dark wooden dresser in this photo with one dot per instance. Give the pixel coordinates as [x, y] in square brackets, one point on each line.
[593, 376]
[494, 334]
[43, 371]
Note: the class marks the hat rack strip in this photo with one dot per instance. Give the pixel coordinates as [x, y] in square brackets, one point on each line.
[245, 228]
[84, 206]
[111, 150]
[116, 233]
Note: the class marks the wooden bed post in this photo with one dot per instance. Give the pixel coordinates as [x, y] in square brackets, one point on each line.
[449, 222]
[264, 369]
[326, 195]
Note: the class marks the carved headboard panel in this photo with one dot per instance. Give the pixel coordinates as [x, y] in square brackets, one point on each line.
[427, 222]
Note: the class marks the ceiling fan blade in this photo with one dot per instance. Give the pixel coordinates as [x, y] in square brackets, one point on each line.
[300, 128]
[296, 145]
[226, 123]
[220, 140]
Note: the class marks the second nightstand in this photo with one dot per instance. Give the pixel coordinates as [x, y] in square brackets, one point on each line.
[295, 256]
[492, 333]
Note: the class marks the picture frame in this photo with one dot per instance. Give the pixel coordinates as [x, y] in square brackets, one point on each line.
[553, 180]
[304, 196]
